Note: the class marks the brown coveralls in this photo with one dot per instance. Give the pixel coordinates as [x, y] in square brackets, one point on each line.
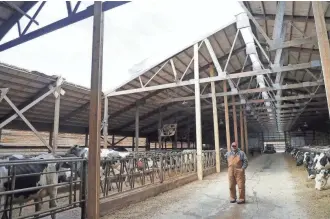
[236, 175]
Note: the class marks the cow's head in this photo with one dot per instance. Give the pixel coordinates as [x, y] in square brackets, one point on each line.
[299, 159]
[77, 150]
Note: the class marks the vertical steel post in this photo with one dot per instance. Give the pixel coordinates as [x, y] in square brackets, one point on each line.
[133, 144]
[323, 43]
[137, 128]
[147, 144]
[241, 127]
[234, 119]
[215, 123]
[198, 114]
[188, 129]
[93, 183]
[56, 117]
[86, 138]
[113, 140]
[226, 115]
[105, 123]
[176, 132]
[159, 129]
[246, 135]
[50, 140]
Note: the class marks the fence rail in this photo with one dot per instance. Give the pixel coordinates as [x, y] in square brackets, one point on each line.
[35, 180]
[139, 169]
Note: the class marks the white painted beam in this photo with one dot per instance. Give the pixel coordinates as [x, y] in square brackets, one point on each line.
[295, 42]
[248, 91]
[198, 115]
[315, 63]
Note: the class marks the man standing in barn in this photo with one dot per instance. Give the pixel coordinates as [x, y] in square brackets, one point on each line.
[237, 163]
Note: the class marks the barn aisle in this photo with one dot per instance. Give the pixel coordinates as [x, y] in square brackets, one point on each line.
[269, 193]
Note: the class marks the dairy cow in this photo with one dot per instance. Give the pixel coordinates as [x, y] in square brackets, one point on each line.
[323, 162]
[33, 175]
[299, 158]
[321, 179]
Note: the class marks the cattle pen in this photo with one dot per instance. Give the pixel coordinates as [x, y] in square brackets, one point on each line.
[155, 146]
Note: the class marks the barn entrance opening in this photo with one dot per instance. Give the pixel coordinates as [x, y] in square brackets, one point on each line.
[279, 146]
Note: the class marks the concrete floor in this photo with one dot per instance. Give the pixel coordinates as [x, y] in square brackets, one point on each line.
[269, 194]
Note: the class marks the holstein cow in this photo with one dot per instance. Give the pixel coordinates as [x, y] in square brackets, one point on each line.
[288, 149]
[321, 179]
[43, 174]
[299, 158]
[307, 156]
[308, 163]
[323, 162]
[311, 166]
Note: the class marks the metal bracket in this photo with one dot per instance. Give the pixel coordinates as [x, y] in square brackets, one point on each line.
[56, 92]
[4, 92]
[276, 86]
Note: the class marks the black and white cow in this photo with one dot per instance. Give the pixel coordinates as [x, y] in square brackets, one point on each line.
[323, 162]
[299, 158]
[104, 152]
[294, 152]
[288, 149]
[321, 179]
[43, 174]
[311, 162]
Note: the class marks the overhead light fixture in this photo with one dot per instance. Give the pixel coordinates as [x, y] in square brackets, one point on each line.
[221, 122]
[184, 102]
[305, 125]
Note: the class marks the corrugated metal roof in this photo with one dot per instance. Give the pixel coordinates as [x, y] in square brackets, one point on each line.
[221, 41]
[298, 17]
[25, 85]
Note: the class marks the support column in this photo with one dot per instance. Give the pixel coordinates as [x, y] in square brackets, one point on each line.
[188, 137]
[198, 115]
[133, 144]
[226, 115]
[175, 145]
[235, 119]
[137, 129]
[263, 141]
[50, 140]
[159, 128]
[241, 126]
[147, 144]
[86, 138]
[56, 117]
[93, 183]
[323, 43]
[0, 134]
[105, 123]
[113, 140]
[215, 124]
[246, 135]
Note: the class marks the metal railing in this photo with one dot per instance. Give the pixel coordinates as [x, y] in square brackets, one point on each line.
[38, 179]
[143, 169]
[138, 170]
[208, 158]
